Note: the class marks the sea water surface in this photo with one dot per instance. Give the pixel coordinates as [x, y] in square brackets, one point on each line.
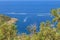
[28, 12]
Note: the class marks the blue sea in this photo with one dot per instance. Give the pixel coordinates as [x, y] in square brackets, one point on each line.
[28, 12]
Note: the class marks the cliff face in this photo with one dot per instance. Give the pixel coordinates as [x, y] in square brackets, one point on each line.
[6, 19]
[12, 20]
[3, 19]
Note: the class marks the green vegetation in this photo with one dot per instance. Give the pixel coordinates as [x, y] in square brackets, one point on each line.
[46, 31]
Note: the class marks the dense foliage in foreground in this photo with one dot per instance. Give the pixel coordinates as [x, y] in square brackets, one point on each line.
[47, 30]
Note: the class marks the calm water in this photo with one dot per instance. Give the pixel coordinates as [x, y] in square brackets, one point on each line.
[28, 13]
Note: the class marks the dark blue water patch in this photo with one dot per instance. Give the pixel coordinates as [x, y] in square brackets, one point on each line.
[28, 7]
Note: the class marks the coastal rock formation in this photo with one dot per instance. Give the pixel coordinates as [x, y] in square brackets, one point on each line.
[11, 21]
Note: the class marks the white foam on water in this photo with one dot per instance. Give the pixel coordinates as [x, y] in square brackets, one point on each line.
[25, 19]
[17, 13]
[44, 14]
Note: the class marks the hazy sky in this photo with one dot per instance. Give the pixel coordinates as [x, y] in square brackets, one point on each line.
[29, 0]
